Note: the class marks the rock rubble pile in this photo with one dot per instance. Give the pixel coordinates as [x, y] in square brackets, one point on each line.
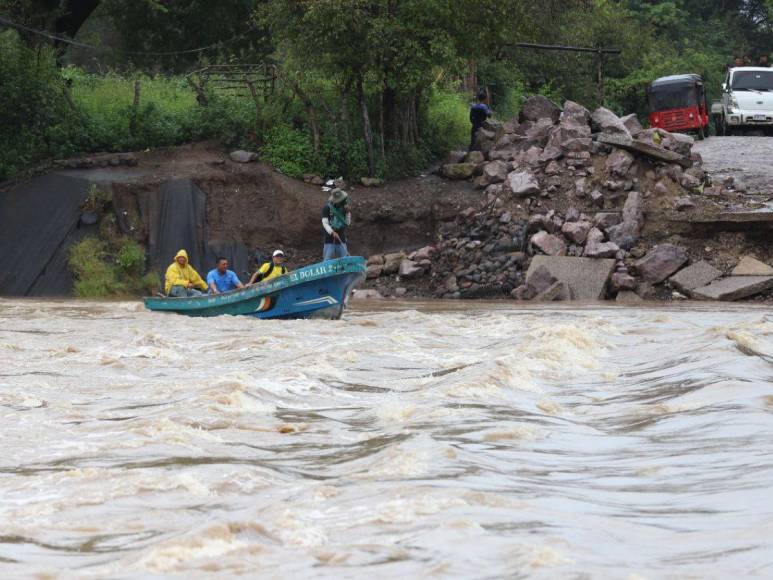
[560, 182]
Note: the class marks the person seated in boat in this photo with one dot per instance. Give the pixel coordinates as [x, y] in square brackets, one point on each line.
[271, 269]
[221, 279]
[182, 280]
[336, 217]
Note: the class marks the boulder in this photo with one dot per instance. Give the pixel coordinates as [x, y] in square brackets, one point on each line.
[539, 107]
[374, 271]
[621, 281]
[550, 154]
[410, 269]
[605, 121]
[522, 183]
[734, 288]
[577, 231]
[619, 163]
[597, 198]
[495, 172]
[475, 157]
[749, 266]
[598, 250]
[392, 262]
[606, 219]
[583, 278]
[633, 210]
[694, 276]
[548, 244]
[366, 294]
[458, 170]
[661, 262]
[632, 123]
[455, 157]
[424, 253]
[576, 113]
[241, 156]
[679, 143]
[376, 260]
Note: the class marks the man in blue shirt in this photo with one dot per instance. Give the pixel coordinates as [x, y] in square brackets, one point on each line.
[221, 279]
[479, 112]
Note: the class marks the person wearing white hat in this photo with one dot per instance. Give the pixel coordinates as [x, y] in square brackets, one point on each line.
[270, 269]
[336, 217]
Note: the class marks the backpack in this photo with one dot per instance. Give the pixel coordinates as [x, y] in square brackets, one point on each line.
[337, 218]
[268, 272]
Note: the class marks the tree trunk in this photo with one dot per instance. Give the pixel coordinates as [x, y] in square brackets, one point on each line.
[367, 133]
[382, 129]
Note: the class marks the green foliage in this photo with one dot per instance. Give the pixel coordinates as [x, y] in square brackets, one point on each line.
[289, 150]
[106, 269]
[131, 257]
[95, 277]
[447, 124]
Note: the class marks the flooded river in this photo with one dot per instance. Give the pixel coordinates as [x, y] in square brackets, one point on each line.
[410, 441]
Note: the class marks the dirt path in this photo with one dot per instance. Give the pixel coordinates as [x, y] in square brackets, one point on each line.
[748, 159]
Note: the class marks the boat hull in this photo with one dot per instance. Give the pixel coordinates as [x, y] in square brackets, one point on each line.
[316, 291]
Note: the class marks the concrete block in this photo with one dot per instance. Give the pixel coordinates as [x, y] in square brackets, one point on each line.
[734, 288]
[749, 266]
[584, 278]
[695, 276]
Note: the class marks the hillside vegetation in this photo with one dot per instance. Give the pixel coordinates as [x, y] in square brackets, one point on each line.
[363, 87]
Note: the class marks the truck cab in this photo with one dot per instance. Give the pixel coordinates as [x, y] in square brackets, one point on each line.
[747, 101]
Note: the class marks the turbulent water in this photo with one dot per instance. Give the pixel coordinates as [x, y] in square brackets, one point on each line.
[411, 441]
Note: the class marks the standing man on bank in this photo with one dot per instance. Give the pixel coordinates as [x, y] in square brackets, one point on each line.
[336, 217]
[479, 112]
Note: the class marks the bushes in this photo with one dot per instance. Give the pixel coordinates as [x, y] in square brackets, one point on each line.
[102, 269]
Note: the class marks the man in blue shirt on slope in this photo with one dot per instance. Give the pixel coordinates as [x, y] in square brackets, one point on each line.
[479, 112]
[221, 279]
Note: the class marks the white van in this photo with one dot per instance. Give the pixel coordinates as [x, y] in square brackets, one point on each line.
[747, 100]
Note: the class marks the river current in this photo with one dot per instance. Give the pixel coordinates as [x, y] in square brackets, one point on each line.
[405, 441]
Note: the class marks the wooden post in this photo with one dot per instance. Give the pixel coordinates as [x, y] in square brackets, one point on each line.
[601, 77]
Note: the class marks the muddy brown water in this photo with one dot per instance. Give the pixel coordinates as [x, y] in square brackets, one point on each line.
[407, 440]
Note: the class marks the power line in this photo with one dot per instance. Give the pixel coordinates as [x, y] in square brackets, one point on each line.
[16, 25]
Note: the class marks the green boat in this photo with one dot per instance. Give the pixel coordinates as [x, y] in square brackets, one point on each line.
[317, 291]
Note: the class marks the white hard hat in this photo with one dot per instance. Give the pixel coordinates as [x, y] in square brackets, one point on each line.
[278, 253]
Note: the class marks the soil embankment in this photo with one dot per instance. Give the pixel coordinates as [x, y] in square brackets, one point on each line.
[195, 196]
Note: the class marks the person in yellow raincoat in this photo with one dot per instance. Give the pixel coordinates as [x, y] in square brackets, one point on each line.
[182, 280]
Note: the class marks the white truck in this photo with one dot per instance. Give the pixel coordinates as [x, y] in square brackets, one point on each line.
[747, 101]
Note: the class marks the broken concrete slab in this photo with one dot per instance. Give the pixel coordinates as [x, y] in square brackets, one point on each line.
[585, 278]
[643, 148]
[695, 276]
[734, 288]
[556, 291]
[749, 266]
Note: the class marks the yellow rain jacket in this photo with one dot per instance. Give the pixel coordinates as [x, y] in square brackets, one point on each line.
[177, 275]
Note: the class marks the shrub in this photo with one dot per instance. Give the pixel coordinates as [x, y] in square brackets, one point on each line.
[131, 257]
[94, 276]
[448, 123]
[289, 150]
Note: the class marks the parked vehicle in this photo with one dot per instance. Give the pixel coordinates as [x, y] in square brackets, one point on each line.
[747, 101]
[678, 104]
